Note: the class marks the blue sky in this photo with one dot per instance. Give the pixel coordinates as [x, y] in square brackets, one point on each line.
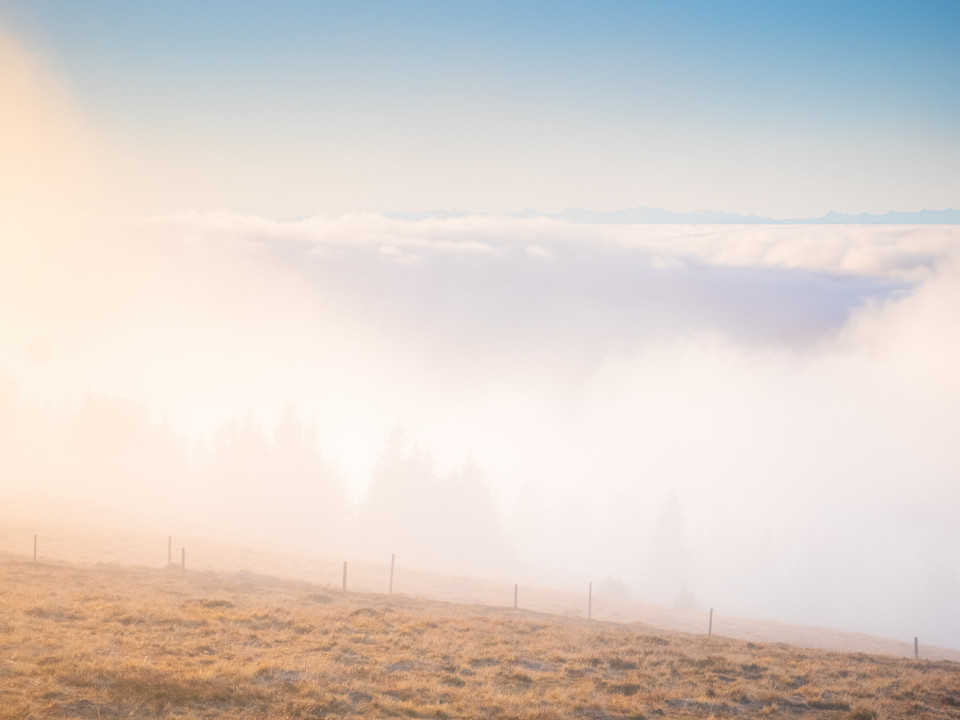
[779, 109]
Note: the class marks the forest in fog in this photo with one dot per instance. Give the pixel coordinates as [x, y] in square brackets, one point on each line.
[278, 484]
[248, 482]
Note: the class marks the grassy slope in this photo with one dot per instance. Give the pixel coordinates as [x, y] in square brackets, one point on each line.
[68, 536]
[102, 641]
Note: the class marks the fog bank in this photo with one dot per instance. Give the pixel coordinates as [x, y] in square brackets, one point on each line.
[761, 419]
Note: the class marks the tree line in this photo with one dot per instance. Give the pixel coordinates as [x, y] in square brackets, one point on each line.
[245, 481]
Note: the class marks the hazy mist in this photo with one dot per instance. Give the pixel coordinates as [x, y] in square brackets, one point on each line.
[761, 419]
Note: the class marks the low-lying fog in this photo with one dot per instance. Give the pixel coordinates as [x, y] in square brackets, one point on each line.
[758, 419]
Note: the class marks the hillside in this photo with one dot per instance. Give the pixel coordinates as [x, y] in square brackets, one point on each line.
[104, 641]
[66, 536]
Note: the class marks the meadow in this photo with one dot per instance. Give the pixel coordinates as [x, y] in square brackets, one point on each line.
[111, 641]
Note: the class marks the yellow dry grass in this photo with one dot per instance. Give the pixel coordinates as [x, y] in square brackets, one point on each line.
[110, 642]
[66, 537]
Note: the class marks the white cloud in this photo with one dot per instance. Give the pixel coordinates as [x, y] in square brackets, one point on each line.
[897, 252]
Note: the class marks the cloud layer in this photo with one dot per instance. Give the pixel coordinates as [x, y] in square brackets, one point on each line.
[793, 387]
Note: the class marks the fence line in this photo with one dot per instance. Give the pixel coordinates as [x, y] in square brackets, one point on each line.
[486, 586]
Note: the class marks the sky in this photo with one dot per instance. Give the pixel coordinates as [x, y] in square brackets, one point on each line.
[201, 213]
[291, 109]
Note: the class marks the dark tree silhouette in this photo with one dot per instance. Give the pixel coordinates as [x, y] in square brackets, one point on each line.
[667, 578]
[451, 524]
[472, 527]
[398, 515]
[282, 489]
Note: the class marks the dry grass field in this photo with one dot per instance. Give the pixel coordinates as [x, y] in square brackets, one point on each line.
[103, 641]
[66, 536]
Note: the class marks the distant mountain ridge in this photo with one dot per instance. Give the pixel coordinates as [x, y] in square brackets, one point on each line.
[656, 216]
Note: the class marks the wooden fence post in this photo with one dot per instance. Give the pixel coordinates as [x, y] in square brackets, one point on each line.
[710, 626]
[515, 590]
[916, 649]
[393, 560]
[344, 575]
[590, 602]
